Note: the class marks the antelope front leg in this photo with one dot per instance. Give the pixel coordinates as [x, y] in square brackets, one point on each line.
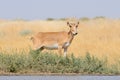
[60, 50]
[65, 52]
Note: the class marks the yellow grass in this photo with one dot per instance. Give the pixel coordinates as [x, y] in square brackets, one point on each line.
[100, 37]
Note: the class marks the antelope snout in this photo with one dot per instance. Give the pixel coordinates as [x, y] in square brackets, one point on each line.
[75, 33]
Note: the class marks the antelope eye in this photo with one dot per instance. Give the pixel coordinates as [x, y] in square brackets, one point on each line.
[76, 26]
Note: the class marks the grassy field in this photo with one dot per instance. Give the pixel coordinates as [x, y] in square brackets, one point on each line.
[48, 63]
[99, 37]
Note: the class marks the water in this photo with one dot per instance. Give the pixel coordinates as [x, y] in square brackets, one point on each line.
[59, 77]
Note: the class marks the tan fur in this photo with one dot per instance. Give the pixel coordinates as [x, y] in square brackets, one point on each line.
[55, 40]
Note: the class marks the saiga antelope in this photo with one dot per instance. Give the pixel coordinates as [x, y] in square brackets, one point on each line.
[55, 40]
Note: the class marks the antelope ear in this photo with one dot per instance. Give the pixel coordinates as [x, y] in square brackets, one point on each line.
[78, 22]
[68, 23]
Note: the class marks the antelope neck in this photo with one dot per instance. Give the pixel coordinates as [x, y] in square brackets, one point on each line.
[70, 36]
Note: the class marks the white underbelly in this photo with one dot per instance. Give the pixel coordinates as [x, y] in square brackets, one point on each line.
[55, 46]
[52, 46]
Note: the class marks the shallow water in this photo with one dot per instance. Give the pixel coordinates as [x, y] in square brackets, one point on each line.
[59, 77]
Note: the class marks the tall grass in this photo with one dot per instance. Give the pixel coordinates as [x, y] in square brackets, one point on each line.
[100, 37]
[39, 62]
[25, 32]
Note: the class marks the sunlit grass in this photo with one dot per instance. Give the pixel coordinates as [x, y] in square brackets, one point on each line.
[37, 62]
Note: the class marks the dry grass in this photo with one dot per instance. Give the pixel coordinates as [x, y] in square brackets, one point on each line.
[100, 37]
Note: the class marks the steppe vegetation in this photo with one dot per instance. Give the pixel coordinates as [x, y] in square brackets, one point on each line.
[96, 48]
